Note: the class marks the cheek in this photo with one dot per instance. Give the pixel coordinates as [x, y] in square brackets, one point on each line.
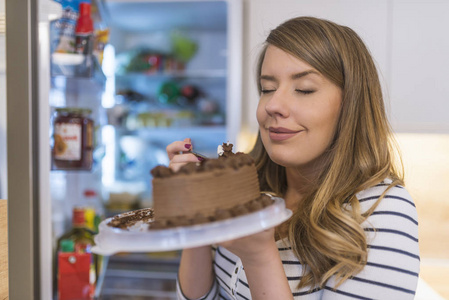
[260, 113]
[334, 114]
[329, 124]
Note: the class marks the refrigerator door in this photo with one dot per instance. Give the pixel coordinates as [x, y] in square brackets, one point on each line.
[21, 148]
[3, 165]
[28, 155]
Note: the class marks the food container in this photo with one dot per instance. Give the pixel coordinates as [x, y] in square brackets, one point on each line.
[73, 139]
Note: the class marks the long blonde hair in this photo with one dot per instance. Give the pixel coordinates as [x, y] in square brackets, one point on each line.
[326, 236]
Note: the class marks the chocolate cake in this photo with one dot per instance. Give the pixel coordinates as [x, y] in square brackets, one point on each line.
[214, 189]
[207, 191]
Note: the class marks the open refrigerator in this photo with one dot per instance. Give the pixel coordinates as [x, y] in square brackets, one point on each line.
[170, 70]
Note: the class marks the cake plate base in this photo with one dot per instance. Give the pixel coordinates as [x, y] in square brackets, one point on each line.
[112, 240]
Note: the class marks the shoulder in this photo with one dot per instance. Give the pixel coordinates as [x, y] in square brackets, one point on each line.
[395, 212]
[393, 225]
[393, 264]
[396, 199]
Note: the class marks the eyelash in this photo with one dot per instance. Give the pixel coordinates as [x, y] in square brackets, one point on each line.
[307, 92]
[266, 91]
[299, 91]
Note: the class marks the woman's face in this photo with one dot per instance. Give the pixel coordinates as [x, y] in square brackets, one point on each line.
[298, 110]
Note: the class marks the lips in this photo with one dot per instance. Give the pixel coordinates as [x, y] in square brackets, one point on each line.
[280, 130]
[281, 133]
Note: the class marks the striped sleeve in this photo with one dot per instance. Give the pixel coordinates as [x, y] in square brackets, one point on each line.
[392, 269]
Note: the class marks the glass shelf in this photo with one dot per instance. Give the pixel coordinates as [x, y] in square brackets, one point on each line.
[77, 66]
[204, 138]
[163, 132]
[200, 74]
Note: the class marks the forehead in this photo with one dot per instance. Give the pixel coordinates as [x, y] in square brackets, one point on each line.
[275, 56]
[279, 64]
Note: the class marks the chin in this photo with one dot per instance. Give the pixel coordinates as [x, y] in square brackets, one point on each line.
[283, 159]
[293, 159]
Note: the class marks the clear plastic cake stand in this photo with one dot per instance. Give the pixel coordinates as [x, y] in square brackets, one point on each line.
[112, 240]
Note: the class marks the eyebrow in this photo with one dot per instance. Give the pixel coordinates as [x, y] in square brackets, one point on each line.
[294, 76]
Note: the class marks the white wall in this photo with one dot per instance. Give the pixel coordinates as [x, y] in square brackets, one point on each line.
[408, 40]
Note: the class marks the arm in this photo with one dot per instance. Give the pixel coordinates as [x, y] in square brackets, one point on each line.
[196, 275]
[263, 266]
[266, 276]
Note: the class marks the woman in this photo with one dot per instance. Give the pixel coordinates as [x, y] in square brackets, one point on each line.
[325, 146]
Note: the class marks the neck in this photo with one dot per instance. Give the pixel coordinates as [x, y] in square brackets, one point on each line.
[299, 182]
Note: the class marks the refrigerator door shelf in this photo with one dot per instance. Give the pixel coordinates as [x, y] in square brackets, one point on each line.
[72, 65]
[67, 58]
[113, 240]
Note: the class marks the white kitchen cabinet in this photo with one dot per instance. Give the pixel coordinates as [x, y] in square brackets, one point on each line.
[408, 40]
[419, 89]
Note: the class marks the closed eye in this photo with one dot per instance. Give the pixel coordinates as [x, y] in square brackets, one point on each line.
[266, 91]
[305, 92]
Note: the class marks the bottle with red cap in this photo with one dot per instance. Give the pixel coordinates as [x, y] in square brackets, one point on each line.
[84, 30]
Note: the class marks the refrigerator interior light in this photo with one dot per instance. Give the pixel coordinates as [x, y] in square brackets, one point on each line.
[108, 66]
[108, 162]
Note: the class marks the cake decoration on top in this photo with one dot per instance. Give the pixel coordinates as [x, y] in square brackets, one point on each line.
[225, 150]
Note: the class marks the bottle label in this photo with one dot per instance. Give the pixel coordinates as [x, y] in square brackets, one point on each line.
[84, 44]
[67, 141]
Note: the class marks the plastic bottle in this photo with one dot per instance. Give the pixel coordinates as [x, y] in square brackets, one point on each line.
[82, 237]
[101, 33]
[84, 30]
[63, 29]
[94, 208]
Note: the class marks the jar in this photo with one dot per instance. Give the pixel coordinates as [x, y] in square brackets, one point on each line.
[73, 139]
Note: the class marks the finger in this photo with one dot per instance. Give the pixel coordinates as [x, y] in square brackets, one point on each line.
[180, 160]
[177, 147]
[184, 158]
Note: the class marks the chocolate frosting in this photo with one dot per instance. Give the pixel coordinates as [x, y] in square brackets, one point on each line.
[161, 171]
[235, 161]
[219, 214]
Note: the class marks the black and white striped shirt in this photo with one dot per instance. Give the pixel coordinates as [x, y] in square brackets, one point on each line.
[390, 273]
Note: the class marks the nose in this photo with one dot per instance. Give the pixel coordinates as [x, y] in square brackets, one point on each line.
[277, 104]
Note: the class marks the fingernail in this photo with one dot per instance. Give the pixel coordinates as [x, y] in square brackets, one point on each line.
[200, 158]
[188, 146]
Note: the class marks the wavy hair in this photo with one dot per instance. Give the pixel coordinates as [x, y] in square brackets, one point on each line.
[325, 233]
